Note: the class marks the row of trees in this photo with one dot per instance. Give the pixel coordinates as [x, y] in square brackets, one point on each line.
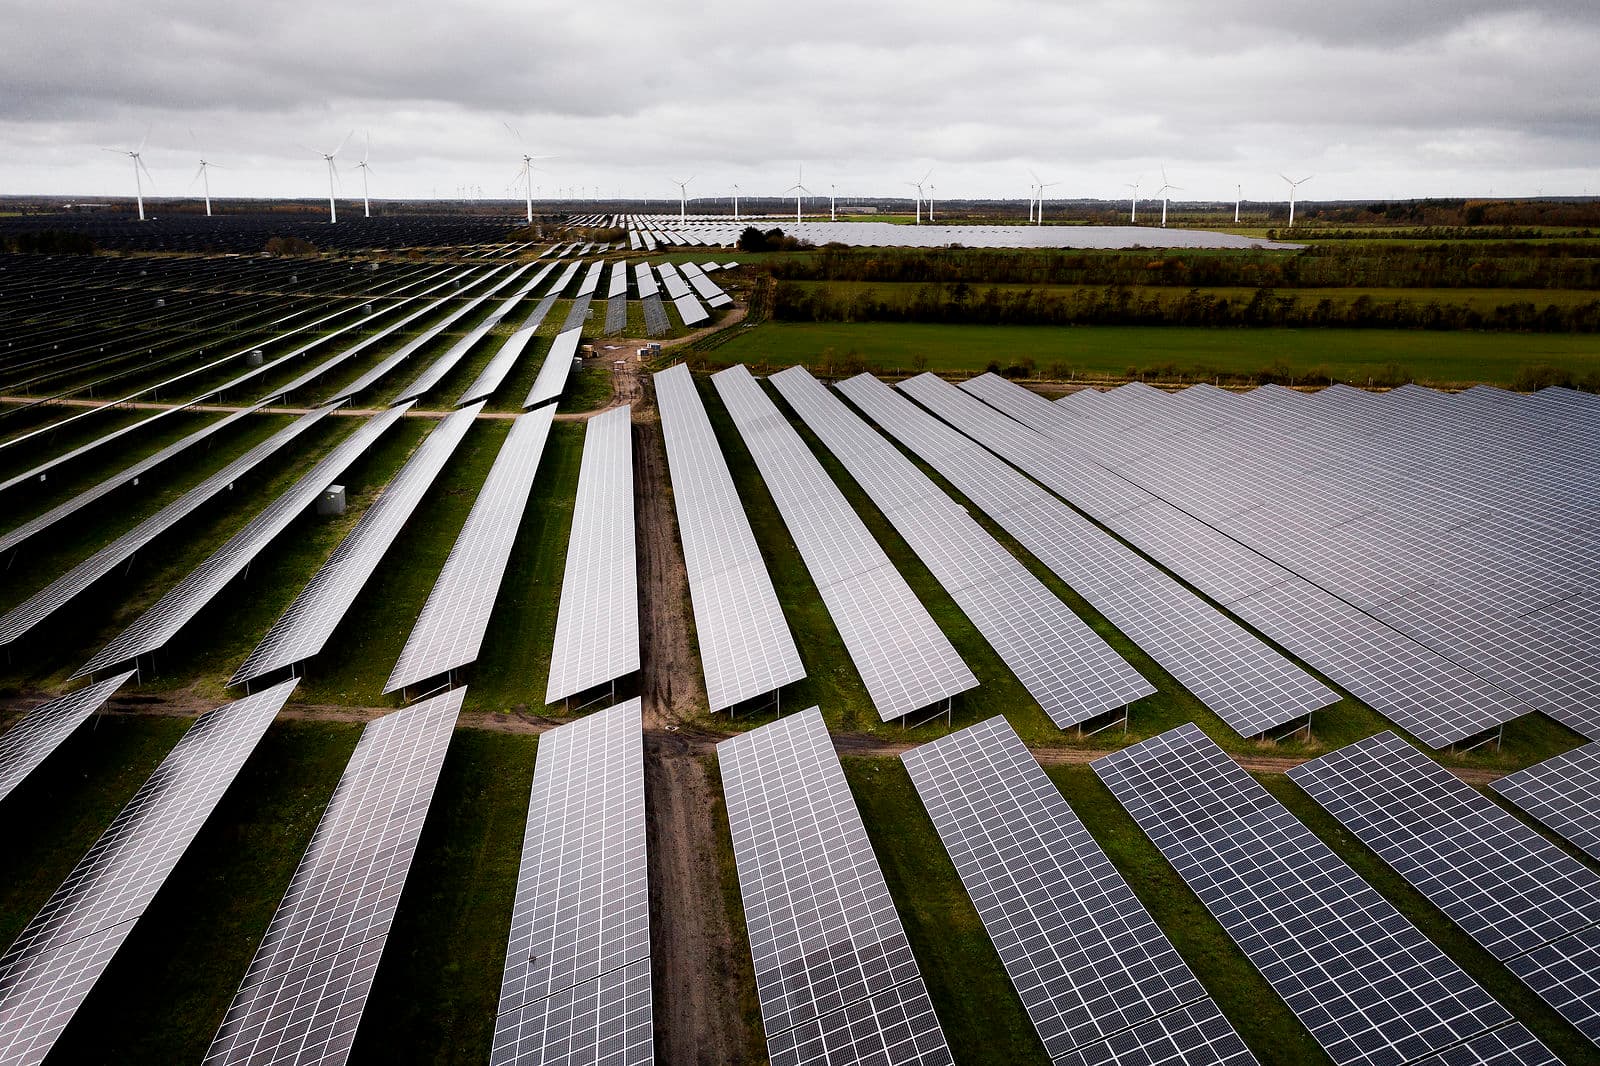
[1122, 305]
[1509, 264]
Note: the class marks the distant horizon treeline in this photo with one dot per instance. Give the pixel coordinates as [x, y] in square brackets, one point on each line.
[1496, 265]
[1126, 305]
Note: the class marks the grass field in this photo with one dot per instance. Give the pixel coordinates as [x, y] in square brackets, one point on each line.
[1158, 352]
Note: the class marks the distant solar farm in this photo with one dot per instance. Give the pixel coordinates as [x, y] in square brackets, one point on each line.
[413, 652]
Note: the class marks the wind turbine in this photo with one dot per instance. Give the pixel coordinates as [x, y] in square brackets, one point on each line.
[1133, 210]
[333, 174]
[917, 185]
[1166, 187]
[137, 155]
[525, 175]
[205, 180]
[833, 203]
[366, 204]
[799, 190]
[736, 201]
[930, 203]
[1043, 185]
[683, 199]
[1293, 185]
[1238, 197]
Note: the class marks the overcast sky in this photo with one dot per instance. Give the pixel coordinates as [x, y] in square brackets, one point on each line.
[1377, 98]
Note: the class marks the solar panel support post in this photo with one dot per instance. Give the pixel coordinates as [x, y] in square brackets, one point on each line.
[1111, 724]
[1493, 736]
[945, 712]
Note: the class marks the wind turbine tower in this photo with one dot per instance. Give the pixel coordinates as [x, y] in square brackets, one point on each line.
[736, 202]
[799, 190]
[833, 203]
[1238, 197]
[1293, 185]
[683, 199]
[137, 155]
[1166, 187]
[333, 175]
[1133, 209]
[366, 203]
[917, 185]
[1043, 185]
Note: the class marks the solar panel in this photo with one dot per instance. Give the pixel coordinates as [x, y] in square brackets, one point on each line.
[1509, 1045]
[1433, 698]
[582, 914]
[307, 623]
[496, 370]
[1194, 1033]
[1368, 986]
[56, 960]
[303, 994]
[160, 623]
[746, 648]
[552, 379]
[28, 614]
[834, 971]
[1562, 793]
[1514, 892]
[1068, 668]
[126, 476]
[411, 347]
[39, 732]
[903, 658]
[436, 371]
[449, 631]
[1087, 960]
[597, 625]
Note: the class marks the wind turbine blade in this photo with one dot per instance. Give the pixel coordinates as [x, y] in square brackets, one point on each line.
[197, 173]
[368, 150]
[143, 139]
[1286, 177]
[119, 151]
[313, 151]
[147, 173]
[511, 130]
[926, 176]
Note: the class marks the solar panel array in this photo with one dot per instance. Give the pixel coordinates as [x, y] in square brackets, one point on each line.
[746, 648]
[1096, 975]
[1461, 522]
[1246, 683]
[688, 305]
[380, 370]
[1068, 668]
[1363, 980]
[436, 370]
[1562, 793]
[580, 926]
[498, 368]
[709, 290]
[28, 614]
[903, 658]
[307, 623]
[449, 632]
[43, 729]
[54, 963]
[302, 997]
[1526, 901]
[552, 379]
[160, 623]
[1434, 699]
[597, 626]
[834, 972]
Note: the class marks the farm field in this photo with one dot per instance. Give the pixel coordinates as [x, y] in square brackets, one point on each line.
[1163, 353]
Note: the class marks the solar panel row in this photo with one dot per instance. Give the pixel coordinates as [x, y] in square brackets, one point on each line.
[552, 379]
[160, 623]
[1363, 980]
[45, 727]
[54, 963]
[1434, 699]
[580, 925]
[1529, 903]
[597, 626]
[834, 972]
[450, 629]
[1241, 679]
[303, 994]
[1068, 668]
[1088, 962]
[496, 370]
[904, 660]
[436, 371]
[310, 620]
[746, 648]
[28, 614]
[1562, 793]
